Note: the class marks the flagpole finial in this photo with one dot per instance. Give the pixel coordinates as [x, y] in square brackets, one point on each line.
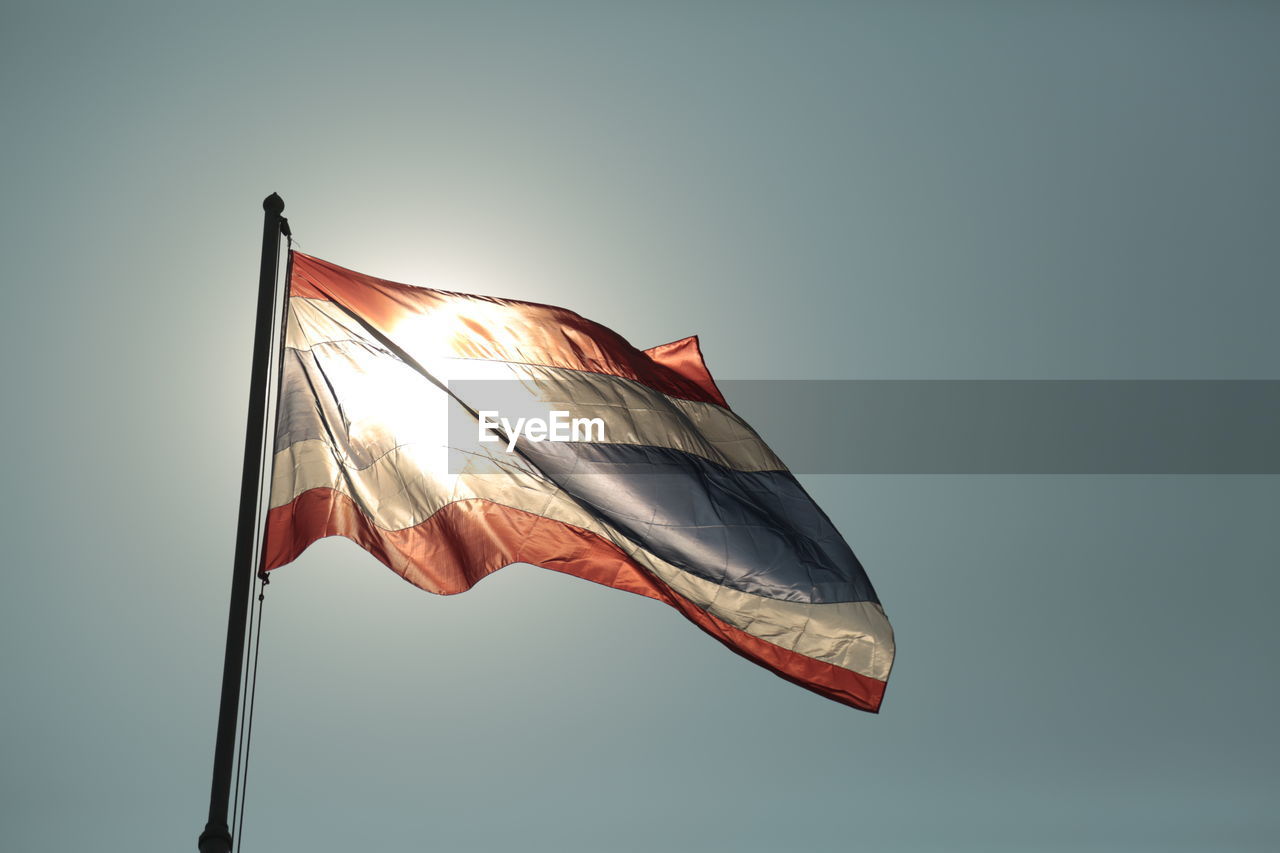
[273, 204]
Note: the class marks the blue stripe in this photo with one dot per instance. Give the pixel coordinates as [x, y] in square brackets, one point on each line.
[754, 531]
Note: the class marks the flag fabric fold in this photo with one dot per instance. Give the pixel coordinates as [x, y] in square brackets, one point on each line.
[673, 496]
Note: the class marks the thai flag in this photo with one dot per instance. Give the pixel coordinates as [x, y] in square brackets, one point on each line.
[451, 435]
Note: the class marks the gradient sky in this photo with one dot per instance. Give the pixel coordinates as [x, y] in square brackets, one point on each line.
[821, 190]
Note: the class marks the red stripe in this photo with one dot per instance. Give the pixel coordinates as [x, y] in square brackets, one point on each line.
[467, 540]
[685, 357]
[541, 334]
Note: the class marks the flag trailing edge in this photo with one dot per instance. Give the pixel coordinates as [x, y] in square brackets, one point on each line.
[678, 500]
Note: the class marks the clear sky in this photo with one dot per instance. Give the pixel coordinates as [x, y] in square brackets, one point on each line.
[821, 190]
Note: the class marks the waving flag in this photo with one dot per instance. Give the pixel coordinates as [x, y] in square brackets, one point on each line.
[655, 486]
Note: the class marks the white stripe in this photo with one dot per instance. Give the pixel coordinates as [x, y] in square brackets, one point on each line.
[397, 492]
[318, 321]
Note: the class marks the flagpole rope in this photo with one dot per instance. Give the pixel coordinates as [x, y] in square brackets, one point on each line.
[244, 704]
[237, 816]
[253, 695]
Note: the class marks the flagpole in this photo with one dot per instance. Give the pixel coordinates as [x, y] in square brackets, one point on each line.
[216, 837]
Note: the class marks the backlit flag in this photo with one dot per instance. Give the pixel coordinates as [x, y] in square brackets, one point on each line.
[576, 452]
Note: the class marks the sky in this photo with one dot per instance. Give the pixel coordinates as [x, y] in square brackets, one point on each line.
[820, 190]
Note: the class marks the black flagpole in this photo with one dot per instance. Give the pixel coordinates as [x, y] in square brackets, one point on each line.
[216, 837]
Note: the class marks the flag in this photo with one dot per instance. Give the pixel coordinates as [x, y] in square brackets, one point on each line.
[406, 422]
